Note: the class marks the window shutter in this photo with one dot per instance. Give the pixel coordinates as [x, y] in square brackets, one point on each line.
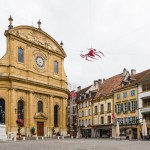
[128, 105]
[128, 120]
[136, 118]
[121, 107]
[136, 104]
[115, 108]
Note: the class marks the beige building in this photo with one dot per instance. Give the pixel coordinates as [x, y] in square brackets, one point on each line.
[127, 105]
[33, 85]
[103, 110]
[144, 102]
[84, 98]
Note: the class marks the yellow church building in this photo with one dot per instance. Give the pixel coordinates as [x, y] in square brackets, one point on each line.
[33, 84]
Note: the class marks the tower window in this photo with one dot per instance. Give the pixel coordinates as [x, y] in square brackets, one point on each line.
[20, 55]
[56, 115]
[56, 67]
[20, 110]
[40, 106]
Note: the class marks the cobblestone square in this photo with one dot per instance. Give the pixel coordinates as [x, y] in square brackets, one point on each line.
[75, 144]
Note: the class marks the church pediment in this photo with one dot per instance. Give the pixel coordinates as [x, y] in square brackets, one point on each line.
[40, 115]
[38, 37]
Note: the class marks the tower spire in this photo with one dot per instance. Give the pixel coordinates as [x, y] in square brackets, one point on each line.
[39, 24]
[10, 23]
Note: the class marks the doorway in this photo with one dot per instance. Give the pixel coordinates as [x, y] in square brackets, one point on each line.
[40, 128]
[134, 135]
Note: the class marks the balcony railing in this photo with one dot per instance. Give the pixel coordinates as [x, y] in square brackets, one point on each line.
[145, 110]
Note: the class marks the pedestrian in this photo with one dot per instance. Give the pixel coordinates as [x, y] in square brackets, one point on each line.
[141, 134]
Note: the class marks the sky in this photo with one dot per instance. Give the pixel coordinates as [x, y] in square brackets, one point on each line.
[118, 28]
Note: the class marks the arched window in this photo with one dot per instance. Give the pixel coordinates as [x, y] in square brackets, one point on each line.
[40, 106]
[2, 111]
[20, 55]
[56, 67]
[56, 115]
[20, 110]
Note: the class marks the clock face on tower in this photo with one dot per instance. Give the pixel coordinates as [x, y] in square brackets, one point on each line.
[40, 61]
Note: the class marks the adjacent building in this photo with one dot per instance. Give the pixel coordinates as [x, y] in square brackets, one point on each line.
[84, 98]
[144, 101]
[127, 105]
[72, 114]
[103, 105]
[123, 98]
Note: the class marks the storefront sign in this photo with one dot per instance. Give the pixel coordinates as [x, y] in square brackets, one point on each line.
[144, 110]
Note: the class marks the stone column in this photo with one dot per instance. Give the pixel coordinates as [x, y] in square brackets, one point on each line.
[27, 114]
[64, 117]
[12, 110]
[48, 115]
[51, 115]
[31, 110]
[60, 116]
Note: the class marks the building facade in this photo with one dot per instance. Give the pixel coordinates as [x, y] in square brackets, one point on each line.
[127, 103]
[84, 104]
[33, 85]
[103, 105]
[72, 114]
[144, 101]
[126, 110]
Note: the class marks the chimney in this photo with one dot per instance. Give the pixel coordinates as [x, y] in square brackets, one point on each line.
[99, 84]
[78, 88]
[124, 71]
[95, 83]
[133, 72]
[103, 80]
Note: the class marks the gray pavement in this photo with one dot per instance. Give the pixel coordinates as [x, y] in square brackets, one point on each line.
[75, 144]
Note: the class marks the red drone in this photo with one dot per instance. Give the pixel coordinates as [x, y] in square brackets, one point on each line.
[93, 54]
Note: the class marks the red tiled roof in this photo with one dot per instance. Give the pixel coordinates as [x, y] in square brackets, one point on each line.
[82, 91]
[110, 84]
[136, 78]
[141, 76]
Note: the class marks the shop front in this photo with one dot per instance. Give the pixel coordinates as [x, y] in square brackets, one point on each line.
[86, 132]
[103, 131]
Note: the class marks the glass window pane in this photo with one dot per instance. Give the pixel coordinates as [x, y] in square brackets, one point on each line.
[20, 55]
[20, 110]
[55, 67]
[40, 106]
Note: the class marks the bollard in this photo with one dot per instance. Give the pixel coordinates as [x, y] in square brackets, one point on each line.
[71, 137]
[58, 137]
[14, 139]
[42, 138]
[37, 138]
[24, 139]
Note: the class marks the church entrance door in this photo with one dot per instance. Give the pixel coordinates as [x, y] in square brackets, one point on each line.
[40, 128]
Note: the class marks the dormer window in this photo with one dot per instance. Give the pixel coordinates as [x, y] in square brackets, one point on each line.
[87, 95]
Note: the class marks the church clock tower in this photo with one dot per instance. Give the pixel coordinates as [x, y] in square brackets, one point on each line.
[33, 84]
